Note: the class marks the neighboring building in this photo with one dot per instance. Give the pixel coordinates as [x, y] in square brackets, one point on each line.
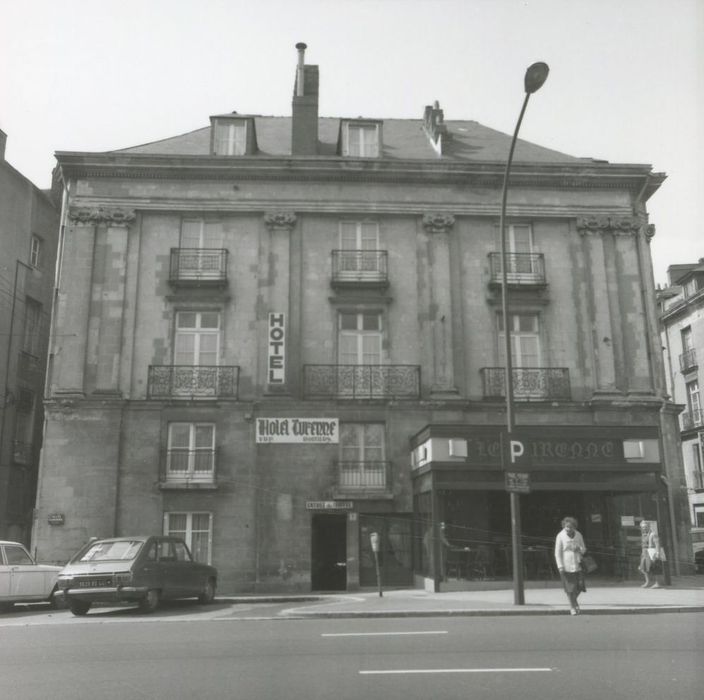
[277, 335]
[681, 307]
[29, 230]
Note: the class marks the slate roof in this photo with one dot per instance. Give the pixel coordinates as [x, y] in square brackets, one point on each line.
[402, 139]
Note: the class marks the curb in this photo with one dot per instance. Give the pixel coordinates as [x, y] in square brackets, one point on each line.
[502, 612]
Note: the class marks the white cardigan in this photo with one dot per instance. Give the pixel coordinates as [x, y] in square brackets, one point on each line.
[569, 551]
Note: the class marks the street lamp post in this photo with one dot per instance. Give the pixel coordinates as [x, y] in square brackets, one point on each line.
[535, 76]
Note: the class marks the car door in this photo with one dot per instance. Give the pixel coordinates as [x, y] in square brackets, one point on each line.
[171, 571]
[187, 570]
[4, 576]
[27, 580]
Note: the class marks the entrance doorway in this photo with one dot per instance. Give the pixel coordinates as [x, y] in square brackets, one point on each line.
[329, 552]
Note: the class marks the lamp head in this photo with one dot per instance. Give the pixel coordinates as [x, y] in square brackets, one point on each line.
[536, 75]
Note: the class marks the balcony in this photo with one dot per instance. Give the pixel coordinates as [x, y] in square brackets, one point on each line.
[22, 452]
[688, 360]
[188, 469]
[360, 268]
[358, 478]
[529, 383]
[192, 382]
[524, 269]
[693, 419]
[361, 381]
[197, 267]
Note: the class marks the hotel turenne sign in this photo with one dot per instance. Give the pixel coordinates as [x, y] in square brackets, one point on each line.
[297, 430]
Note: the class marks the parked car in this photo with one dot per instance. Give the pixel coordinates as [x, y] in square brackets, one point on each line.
[22, 580]
[143, 570]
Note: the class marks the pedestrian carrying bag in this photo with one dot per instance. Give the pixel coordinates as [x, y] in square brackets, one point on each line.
[589, 564]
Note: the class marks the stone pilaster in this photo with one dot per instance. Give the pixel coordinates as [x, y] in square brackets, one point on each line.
[438, 227]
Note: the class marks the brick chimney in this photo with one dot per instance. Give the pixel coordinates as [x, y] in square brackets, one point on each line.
[304, 122]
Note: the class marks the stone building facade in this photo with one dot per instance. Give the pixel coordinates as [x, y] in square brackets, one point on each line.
[681, 308]
[29, 231]
[278, 335]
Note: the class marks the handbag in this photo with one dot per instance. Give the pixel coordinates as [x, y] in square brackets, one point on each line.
[653, 553]
[589, 565]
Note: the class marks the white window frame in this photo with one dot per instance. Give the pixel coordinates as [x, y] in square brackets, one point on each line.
[368, 143]
[230, 138]
[367, 468]
[198, 333]
[521, 269]
[192, 473]
[189, 532]
[362, 338]
[35, 251]
[520, 354]
[694, 402]
[357, 238]
[200, 248]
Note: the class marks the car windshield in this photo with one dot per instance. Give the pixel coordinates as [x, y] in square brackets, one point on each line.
[104, 551]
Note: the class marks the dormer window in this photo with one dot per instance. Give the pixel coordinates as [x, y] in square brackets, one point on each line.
[361, 139]
[232, 136]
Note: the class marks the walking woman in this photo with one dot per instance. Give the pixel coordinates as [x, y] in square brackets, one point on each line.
[648, 564]
[569, 549]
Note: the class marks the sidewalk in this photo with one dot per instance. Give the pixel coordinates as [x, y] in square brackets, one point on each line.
[685, 595]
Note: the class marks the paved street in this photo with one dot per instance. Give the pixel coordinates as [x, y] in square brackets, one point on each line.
[187, 651]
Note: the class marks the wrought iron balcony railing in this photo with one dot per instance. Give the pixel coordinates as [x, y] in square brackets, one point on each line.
[523, 268]
[363, 476]
[693, 419]
[528, 382]
[22, 452]
[185, 466]
[192, 381]
[360, 267]
[688, 360]
[197, 266]
[362, 381]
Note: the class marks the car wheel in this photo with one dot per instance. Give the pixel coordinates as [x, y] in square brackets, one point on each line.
[208, 594]
[79, 607]
[56, 602]
[150, 602]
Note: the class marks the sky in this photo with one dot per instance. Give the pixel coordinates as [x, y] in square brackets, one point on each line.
[626, 79]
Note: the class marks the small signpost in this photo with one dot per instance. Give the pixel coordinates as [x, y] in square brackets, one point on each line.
[517, 482]
[374, 538]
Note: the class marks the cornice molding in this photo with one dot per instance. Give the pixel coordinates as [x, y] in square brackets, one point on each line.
[280, 220]
[597, 225]
[101, 215]
[438, 222]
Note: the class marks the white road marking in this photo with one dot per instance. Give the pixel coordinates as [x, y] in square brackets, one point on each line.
[401, 671]
[380, 634]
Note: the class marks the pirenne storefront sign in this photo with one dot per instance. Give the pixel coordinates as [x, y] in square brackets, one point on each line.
[297, 430]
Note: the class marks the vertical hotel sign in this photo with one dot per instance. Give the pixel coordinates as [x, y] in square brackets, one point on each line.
[276, 356]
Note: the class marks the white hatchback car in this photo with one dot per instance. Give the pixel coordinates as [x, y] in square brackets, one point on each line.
[21, 579]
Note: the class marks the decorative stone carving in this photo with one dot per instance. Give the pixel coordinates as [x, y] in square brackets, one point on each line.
[625, 226]
[438, 223]
[649, 232]
[280, 220]
[102, 215]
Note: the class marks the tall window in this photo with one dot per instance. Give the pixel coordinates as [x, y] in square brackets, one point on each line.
[525, 340]
[191, 452]
[362, 455]
[230, 138]
[199, 233]
[197, 338]
[686, 334]
[693, 399]
[359, 243]
[361, 140]
[360, 338]
[35, 252]
[32, 326]
[520, 245]
[195, 528]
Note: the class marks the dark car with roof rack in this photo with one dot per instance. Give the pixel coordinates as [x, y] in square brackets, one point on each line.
[143, 570]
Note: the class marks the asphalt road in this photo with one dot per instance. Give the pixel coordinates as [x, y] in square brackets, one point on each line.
[190, 652]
